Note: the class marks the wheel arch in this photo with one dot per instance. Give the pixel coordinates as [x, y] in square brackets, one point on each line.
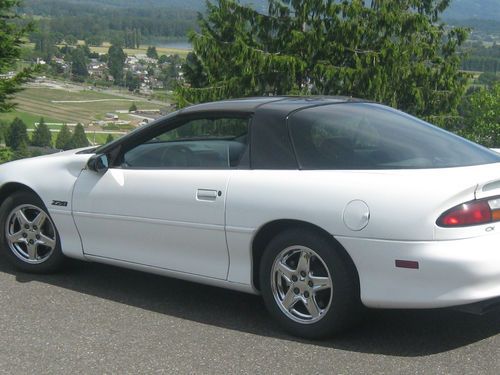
[271, 229]
[12, 187]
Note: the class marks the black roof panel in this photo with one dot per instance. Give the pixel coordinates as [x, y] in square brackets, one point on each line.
[250, 105]
[243, 105]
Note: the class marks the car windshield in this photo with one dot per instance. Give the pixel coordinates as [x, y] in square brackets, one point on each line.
[372, 136]
[107, 146]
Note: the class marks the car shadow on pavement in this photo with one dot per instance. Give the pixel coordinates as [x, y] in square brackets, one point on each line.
[407, 333]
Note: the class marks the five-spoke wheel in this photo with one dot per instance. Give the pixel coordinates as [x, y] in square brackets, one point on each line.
[308, 284]
[301, 284]
[29, 236]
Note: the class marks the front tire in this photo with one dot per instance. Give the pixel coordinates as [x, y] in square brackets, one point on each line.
[28, 236]
[308, 285]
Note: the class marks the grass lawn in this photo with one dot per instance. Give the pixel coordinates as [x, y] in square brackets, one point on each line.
[57, 105]
[62, 106]
[100, 138]
[28, 118]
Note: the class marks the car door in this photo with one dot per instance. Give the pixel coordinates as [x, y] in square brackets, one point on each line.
[162, 201]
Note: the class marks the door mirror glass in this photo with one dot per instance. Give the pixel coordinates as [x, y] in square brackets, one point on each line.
[98, 163]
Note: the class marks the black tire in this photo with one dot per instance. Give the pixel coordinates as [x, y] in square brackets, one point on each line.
[344, 306]
[50, 258]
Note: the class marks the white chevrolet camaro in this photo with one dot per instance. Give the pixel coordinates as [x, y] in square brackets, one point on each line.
[322, 205]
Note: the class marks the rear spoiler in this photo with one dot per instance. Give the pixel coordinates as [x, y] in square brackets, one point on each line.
[489, 188]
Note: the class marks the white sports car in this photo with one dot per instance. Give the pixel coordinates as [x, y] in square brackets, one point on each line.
[322, 205]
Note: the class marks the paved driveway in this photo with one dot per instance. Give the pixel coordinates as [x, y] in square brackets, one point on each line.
[94, 319]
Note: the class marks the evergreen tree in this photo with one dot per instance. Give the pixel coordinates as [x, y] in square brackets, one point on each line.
[94, 40]
[168, 76]
[44, 43]
[133, 108]
[64, 138]
[194, 72]
[163, 59]
[71, 40]
[21, 151]
[79, 139]
[79, 63]
[138, 37]
[17, 134]
[41, 136]
[152, 53]
[132, 82]
[12, 34]
[481, 117]
[392, 51]
[4, 128]
[5, 155]
[109, 138]
[116, 62]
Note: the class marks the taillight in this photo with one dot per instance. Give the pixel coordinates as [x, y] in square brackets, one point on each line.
[471, 213]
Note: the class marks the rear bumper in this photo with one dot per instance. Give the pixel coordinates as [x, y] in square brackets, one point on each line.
[450, 273]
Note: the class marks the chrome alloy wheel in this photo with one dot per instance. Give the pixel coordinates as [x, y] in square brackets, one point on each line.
[30, 234]
[301, 284]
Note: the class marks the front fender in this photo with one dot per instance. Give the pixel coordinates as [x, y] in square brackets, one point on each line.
[52, 178]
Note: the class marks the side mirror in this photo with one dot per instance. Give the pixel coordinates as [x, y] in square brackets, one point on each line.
[98, 163]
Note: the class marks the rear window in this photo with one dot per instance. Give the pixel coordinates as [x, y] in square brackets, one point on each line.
[372, 136]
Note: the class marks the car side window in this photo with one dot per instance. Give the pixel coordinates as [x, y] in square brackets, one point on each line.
[208, 143]
[371, 137]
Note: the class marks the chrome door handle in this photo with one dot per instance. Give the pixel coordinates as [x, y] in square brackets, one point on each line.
[206, 195]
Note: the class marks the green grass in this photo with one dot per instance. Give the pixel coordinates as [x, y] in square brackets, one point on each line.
[34, 103]
[28, 118]
[162, 95]
[111, 127]
[100, 139]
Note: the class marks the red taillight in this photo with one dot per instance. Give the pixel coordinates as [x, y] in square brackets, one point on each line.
[471, 213]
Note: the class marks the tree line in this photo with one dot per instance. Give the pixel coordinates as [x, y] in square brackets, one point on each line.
[482, 59]
[95, 24]
[18, 140]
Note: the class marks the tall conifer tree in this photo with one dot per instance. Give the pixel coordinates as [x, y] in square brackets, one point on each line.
[393, 51]
[41, 136]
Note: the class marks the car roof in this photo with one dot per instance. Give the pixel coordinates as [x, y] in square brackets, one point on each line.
[251, 105]
[271, 112]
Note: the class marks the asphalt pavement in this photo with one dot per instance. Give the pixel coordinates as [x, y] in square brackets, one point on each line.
[97, 319]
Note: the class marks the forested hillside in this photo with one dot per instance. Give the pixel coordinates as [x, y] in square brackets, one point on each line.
[175, 17]
[479, 9]
[51, 7]
[459, 9]
[107, 20]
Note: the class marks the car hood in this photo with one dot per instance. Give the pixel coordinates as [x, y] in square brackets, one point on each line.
[71, 160]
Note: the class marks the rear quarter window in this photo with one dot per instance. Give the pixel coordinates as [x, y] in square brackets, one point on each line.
[372, 136]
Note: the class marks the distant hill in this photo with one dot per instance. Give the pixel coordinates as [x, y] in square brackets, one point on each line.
[478, 9]
[185, 4]
[459, 9]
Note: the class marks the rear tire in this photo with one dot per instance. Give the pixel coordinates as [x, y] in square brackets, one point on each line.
[28, 236]
[308, 285]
